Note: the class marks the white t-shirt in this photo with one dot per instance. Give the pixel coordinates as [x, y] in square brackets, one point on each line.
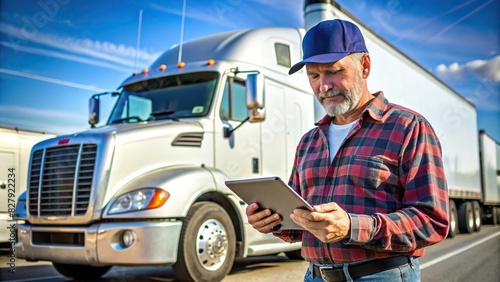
[336, 135]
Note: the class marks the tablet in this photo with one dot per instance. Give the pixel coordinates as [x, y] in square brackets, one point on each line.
[271, 193]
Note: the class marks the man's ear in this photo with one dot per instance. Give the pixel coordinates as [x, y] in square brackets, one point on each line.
[366, 65]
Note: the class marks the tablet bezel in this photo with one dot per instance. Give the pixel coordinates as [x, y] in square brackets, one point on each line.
[271, 193]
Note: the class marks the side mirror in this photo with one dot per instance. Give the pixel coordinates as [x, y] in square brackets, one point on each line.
[255, 97]
[93, 111]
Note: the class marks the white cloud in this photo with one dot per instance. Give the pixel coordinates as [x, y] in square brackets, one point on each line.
[485, 70]
[52, 80]
[60, 55]
[120, 54]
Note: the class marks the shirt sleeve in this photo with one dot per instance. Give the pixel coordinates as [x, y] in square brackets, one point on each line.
[423, 219]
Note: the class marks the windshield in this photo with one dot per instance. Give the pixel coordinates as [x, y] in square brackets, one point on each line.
[171, 97]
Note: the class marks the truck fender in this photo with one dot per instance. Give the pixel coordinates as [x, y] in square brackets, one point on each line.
[185, 184]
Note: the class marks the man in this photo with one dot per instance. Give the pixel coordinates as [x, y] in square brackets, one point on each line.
[373, 171]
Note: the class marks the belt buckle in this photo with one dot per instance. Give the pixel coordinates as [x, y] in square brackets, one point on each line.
[337, 272]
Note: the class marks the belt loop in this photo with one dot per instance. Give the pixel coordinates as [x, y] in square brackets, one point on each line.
[347, 275]
[410, 262]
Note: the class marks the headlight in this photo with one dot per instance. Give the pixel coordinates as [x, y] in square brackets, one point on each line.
[139, 200]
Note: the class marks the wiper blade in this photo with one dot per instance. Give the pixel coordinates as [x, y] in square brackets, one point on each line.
[164, 115]
[127, 119]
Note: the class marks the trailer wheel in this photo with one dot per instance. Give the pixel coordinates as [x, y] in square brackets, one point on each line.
[207, 245]
[453, 220]
[496, 210]
[465, 217]
[477, 215]
[81, 272]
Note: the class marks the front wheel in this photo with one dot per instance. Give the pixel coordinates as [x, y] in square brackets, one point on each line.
[207, 245]
[81, 272]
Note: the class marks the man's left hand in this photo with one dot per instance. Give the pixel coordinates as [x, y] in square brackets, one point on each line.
[328, 222]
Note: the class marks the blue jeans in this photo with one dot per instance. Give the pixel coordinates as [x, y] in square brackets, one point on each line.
[405, 273]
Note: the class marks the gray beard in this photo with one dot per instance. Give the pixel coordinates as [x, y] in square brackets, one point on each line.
[351, 99]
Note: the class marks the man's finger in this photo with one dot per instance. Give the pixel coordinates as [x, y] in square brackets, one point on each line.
[328, 207]
[252, 208]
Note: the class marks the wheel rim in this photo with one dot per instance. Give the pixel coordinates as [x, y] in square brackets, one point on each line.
[453, 222]
[212, 244]
[477, 217]
[470, 219]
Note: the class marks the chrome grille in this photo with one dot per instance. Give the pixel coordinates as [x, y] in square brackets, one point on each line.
[61, 180]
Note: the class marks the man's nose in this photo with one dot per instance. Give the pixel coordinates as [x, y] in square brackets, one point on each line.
[325, 85]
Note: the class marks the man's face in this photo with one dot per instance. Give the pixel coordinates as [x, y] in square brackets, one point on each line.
[337, 86]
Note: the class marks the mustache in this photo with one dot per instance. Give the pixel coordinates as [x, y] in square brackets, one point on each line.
[331, 93]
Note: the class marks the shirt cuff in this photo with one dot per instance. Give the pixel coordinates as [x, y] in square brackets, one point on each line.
[362, 229]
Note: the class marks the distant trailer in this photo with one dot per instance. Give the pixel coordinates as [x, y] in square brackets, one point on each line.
[15, 150]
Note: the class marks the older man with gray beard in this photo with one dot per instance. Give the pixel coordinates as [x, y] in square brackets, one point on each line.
[372, 170]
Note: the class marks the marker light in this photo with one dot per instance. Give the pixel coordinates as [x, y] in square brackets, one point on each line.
[181, 65]
[145, 71]
[211, 62]
[163, 67]
[159, 198]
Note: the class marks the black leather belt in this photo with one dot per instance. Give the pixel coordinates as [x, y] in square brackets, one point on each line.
[330, 274]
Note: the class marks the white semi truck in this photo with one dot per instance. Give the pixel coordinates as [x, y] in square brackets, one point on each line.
[148, 187]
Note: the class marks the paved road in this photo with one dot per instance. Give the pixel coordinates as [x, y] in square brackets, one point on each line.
[467, 257]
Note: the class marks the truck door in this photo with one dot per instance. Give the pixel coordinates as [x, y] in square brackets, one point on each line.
[238, 156]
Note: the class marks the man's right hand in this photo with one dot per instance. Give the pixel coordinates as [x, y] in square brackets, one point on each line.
[263, 221]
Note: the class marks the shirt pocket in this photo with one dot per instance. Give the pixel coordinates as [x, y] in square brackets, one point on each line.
[374, 172]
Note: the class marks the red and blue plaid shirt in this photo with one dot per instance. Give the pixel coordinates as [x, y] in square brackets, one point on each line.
[388, 176]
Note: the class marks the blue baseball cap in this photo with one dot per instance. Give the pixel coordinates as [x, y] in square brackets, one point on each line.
[330, 41]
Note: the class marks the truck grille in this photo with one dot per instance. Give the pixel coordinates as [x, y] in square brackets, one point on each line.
[60, 180]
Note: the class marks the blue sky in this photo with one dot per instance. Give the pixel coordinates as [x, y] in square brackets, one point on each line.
[54, 54]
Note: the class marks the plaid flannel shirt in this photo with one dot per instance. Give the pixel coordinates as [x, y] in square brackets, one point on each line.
[388, 176]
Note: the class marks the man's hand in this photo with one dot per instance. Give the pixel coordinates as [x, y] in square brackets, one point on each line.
[328, 222]
[263, 221]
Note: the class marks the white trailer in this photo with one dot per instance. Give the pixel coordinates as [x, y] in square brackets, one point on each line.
[15, 149]
[148, 187]
[490, 177]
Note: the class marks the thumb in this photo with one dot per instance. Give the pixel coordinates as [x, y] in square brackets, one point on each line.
[328, 207]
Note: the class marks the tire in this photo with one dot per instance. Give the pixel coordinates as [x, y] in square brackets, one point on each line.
[207, 245]
[477, 215]
[81, 272]
[465, 217]
[497, 213]
[490, 215]
[294, 255]
[453, 216]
